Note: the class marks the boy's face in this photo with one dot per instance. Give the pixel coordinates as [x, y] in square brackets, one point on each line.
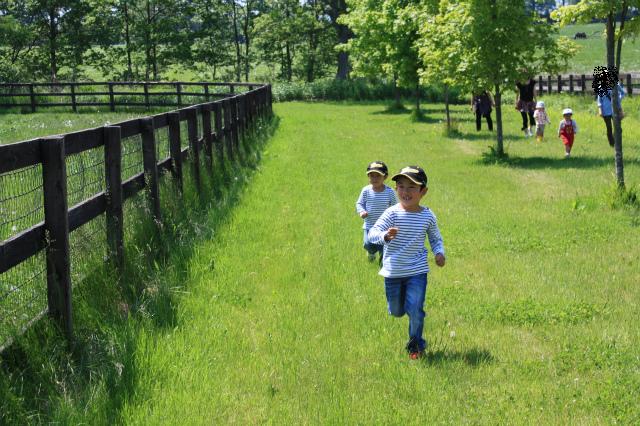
[376, 179]
[409, 193]
[567, 117]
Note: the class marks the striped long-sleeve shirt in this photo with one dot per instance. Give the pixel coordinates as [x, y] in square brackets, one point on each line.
[374, 203]
[406, 254]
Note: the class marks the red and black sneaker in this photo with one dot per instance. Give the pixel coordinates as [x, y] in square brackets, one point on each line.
[416, 355]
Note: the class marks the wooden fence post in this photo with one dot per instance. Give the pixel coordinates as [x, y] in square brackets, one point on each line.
[233, 104]
[175, 149]
[112, 104]
[559, 83]
[207, 136]
[206, 92]
[146, 94]
[179, 93]
[219, 139]
[540, 88]
[32, 95]
[549, 84]
[570, 83]
[113, 178]
[56, 223]
[194, 145]
[583, 83]
[73, 98]
[226, 131]
[629, 85]
[150, 166]
[232, 88]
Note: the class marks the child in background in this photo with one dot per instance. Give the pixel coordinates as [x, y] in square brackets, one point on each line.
[403, 229]
[374, 199]
[567, 131]
[542, 119]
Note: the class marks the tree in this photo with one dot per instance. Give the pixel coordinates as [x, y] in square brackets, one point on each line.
[585, 11]
[501, 44]
[385, 42]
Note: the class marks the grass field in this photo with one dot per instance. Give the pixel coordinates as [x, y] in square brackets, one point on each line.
[277, 317]
[593, 50]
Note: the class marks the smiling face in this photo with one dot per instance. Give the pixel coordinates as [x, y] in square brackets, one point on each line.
[409, 193]
[376, 180]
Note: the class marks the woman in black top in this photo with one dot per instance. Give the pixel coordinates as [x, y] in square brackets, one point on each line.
[526, 104]
[481, 104]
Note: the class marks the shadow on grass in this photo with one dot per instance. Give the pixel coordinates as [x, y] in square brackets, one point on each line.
[472, 357]
[574, 162]
[487, 136]
[43, 379]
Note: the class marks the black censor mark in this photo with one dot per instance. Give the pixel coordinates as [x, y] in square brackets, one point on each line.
[604, 78]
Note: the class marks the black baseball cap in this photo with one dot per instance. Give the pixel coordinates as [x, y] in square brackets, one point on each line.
[378, 167]
[414, 173]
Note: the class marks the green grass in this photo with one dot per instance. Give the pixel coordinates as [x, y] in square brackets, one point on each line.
[593, 50]
[273, 315]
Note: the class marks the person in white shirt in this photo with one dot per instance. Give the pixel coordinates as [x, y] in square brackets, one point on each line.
[402, 229]
[374, 199]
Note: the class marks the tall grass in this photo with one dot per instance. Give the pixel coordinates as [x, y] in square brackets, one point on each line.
[42, 379]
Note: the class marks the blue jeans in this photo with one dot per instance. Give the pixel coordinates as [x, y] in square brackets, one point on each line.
[371, 248]
[406, 296]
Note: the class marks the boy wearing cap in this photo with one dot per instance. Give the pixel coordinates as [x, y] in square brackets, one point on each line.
[542, 119]
[374, 199]
[567, 131]
[403, 229]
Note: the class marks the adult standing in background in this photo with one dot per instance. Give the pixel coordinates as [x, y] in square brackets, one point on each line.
[481, 104]
[526, 104]
[605, 109]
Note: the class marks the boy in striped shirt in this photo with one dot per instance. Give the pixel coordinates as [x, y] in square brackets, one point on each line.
[403, 229]
[374, 199]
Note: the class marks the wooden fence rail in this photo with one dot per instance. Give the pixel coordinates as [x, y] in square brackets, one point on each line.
[114, 94]
[581, 83]
[231, 116]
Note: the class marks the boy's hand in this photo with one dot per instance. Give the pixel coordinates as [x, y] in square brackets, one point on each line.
[391, 234]
[440, 259]
[364, 214]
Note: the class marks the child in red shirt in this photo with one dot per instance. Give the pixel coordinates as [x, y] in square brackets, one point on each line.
[567, 131]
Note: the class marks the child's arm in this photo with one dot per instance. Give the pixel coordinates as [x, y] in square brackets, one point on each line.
[435, 241]
[361, 204]
[575, 127]
[560, 127]
[383, 231]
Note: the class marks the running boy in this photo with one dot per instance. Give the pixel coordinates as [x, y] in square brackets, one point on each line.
[373, 200]
[542, 119]
[567, 131]
[403, 229]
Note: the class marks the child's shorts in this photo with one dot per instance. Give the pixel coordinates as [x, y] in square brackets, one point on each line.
[567, 141]
[539, 129]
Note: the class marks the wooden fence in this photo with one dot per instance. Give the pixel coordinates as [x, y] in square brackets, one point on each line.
[114, 94]
[581, 83]
[222, 122]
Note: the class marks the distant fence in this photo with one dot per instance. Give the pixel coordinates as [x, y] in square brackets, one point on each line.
[114, 94]
[581, 83]
[52, 188]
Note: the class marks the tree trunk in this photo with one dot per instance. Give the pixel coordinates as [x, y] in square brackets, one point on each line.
[53, 44]
[288, 68]
[498, 102]
[245, 29]
[344, 34]
[617, 125]
[417, 93]
[446, 105]
[396, 92]
[127, 41]
[236, 40]
[147, 43]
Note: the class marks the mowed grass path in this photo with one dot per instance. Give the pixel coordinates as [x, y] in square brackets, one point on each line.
[533, 319]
